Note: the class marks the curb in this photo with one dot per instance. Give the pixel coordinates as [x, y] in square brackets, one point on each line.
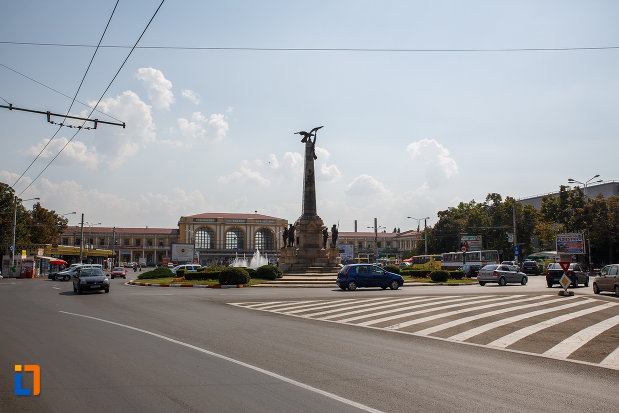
[184, 285]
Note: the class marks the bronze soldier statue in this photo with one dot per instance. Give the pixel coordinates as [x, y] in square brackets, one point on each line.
[325, 237]
[285, 236]
[334, 233]
[291, 236]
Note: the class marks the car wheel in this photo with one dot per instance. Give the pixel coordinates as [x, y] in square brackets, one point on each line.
[394, 285]
[617, 290]
[107, 290]
[575, 283]
[548, 284]
[67, 278]
[524, 281]
[79, 290]
[74, 290]
[596, 289]
[352, 286]
[482, 283]
[342, 287]
[587, 282]
[502, 281]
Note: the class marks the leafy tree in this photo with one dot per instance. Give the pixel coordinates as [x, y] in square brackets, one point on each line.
[45, 225]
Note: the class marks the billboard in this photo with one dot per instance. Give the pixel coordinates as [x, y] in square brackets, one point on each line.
[347, 251]
[471, 242]
[571, 243]
[182, 252]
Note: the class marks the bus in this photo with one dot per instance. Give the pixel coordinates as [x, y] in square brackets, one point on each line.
[426, 262]
[451, 261]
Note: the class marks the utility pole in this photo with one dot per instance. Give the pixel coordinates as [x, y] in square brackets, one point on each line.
[82, 239]
[14, 226]
[375, 240]
[516, 249]
[425, 230]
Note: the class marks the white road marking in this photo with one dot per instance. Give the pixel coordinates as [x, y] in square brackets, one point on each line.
[518, 335]
[237, 362]
[575, 341]
[418, 304]
[367, 303]
[56, 288]
[489, 326]
[612, 360]
[491, 304]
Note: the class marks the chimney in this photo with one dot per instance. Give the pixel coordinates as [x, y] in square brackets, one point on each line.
[355, 225]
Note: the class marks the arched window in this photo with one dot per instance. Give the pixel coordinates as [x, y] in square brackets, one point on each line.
[235, 239]
[264, 240]
[205, 238]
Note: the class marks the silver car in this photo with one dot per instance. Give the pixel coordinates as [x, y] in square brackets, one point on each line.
[501, 274]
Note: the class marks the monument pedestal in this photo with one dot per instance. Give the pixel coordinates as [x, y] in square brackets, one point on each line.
[308, 256]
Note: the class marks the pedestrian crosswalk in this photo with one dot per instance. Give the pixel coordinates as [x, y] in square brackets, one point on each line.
[580, 329]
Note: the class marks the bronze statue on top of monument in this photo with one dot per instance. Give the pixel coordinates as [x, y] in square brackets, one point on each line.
[308, 251]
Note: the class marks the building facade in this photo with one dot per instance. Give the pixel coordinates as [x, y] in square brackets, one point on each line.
[371, 246]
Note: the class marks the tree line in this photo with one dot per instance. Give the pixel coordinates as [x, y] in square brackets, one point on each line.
[34, 227]
[567, 211]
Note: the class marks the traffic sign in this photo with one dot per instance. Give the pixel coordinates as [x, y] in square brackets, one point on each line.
[565, 265]
[565, 282]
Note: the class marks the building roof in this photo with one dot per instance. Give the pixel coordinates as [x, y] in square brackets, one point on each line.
[118, 230]
[370, 234]
[226, 215]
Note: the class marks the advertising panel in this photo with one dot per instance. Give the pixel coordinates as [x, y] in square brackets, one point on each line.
[471, 242]
[182, 253]
[347, 251]
[571, 243]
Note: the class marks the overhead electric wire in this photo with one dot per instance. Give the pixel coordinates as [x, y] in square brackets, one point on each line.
[324, 49]
[73, 100]
[55, 90]
[99, 101]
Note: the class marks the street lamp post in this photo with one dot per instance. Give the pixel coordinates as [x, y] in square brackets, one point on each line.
[15, 226]
[585, 184]
[425, 231]
[376, 238]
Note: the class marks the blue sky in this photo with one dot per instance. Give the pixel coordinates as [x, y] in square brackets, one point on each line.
[406, 133]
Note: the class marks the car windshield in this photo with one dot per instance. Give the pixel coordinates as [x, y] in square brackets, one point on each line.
[118, 269]
[91, 272]
[490, 267]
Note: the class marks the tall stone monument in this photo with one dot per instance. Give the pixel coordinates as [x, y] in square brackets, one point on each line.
[308, 253]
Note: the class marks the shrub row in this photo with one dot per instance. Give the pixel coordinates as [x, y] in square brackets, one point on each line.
[392, 268]
[456, 275]
[230, 275]
[159, 272]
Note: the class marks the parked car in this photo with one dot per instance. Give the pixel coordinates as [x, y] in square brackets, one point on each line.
[470, 270]
[188, 267]
[501, 274]
[118, 272]
[530, 267]
[363, 275]
[607, 280]
[90, 279]
[554, 272]
[514, 263]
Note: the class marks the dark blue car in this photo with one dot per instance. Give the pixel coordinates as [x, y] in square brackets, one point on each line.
[364, 275]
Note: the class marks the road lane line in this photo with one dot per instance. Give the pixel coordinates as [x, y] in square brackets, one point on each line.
[575, 341]
[373, 303]
[518, 335]
[260, 306]
[447, 314]
[237, 362]
[612, 360]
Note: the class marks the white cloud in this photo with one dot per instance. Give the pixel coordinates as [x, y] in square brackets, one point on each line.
[157, 87]
[213, 128]
[435, 160]
[273, 162]
[191, 96]
[75, 151]
[117, 143]
[325, 172]
[366, 185]
[244, 176]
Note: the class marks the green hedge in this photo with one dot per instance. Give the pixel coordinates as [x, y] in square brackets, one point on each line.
[202, 275]
[415, 273]
[268, 272]
[456, 275]
[181, 272]
[439, 276]
[159, 272]
[233, 276]
[392, 268]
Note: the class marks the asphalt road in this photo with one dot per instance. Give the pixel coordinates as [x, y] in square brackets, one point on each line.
[173, 349]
